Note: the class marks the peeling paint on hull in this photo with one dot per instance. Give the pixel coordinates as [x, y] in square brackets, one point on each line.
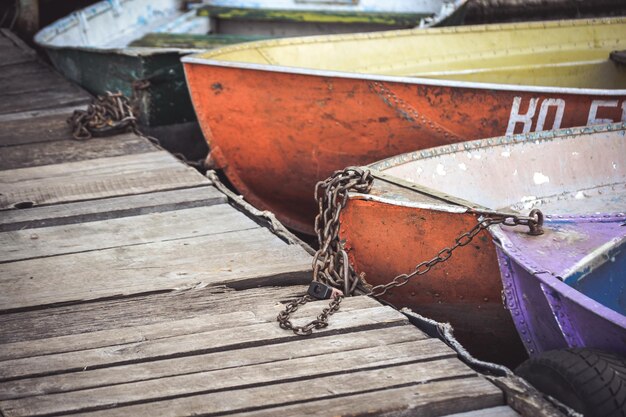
[120, 45]
[412, 212]
[299, 109]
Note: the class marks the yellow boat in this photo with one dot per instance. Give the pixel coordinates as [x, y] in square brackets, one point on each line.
[280, 115]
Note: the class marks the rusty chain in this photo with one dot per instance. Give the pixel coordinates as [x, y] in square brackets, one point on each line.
[106, 115]
[331, 265]
[110, 114]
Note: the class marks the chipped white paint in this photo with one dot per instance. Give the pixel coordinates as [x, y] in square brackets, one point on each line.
[559, 104]
[593, 111]
[546, 170]
[526, 119]
[539, 178]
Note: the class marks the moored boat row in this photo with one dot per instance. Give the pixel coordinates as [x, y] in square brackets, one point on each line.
[313, 105]
[498, 149]
[135, 46]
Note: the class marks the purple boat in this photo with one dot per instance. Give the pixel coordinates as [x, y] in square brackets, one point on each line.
[566, 289]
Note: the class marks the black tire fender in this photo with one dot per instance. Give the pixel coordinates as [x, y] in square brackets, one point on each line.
[589, 381]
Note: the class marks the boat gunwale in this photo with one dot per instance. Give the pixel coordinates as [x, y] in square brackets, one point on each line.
[205, 58]
[554, 282]
[106, 5]
[544, 135]
[195, 59]
[452, 203]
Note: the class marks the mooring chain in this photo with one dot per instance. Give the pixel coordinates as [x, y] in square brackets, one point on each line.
[111, 114]
[331, 267]
[106, 115]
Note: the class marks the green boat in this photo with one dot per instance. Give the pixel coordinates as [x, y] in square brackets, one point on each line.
[134, 46]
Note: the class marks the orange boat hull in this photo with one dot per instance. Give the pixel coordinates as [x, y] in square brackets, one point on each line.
[385, 240]
[275, 134]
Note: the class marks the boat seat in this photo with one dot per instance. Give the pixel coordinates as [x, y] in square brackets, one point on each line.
[191, 41]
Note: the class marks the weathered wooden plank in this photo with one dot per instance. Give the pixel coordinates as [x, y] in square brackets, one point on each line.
[240, 259]
[64, 151]
[237, 314]
[125, 231]
[110, 208]
[13, 72]
[30, 81]
[62, 96]
[324, 344]
[96, 178]
[15, 57]
[260, 374]
[119, 313]
[501, 411]
[425, 400]
[16, 41]
[188, 345]
[36, 126]
[300, 390]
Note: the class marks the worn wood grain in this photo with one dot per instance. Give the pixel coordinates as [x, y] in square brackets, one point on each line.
[187, 345]
[110, 208]
[237, 313]
[125, 231]
[27, 69]
[15, 41]
[96, 178]
[36, 126]
[241, 259]
[424, 400]
[301, 390]
[15, 57]
[323, 344]
[245, 376]
[63, 151]
[140, 310]
[68, 95]
[30, 81]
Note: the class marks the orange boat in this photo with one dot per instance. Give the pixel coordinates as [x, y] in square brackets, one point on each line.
[421, 202]
[281, 115]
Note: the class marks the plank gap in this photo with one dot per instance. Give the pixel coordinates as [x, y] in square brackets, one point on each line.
[270, 406]
[228, 347]
[128, 245]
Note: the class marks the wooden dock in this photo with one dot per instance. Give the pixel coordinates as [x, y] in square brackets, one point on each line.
[130, 286]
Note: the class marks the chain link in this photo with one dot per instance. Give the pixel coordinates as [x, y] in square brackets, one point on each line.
[319, 323]
[331, 265]
[106, 115]
[111, 114]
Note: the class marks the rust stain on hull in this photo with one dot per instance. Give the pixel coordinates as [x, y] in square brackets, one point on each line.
[387, 240]
[276, 144]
